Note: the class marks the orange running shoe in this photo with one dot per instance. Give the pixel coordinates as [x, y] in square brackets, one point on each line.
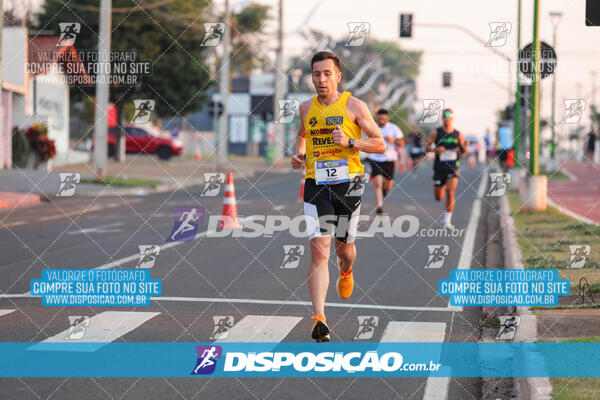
[320, 330]
[345, 283]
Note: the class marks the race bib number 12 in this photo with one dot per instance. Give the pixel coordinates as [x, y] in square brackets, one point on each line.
[332, 171]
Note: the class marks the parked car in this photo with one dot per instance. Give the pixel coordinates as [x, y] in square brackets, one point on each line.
[144, 139]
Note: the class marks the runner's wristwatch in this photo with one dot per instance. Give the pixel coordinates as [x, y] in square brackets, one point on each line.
[350, 143]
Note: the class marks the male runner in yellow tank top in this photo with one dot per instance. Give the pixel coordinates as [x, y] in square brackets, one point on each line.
[328, 144]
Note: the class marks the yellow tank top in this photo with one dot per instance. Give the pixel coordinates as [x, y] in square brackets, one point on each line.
[318, 127]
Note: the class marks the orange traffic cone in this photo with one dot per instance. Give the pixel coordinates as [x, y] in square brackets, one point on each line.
[302, 180]
[229, 215]
[198, 153]
[472, 162]
[401, 166]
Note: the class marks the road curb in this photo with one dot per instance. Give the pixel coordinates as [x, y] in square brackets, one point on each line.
[526, 388]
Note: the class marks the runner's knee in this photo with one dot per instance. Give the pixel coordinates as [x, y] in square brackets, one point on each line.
[319, 251]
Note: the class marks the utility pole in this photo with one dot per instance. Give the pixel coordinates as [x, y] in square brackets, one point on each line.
[555, 17]
[224, 92]
[280, 86]
[100, 119]
[2, 119]
[517, 113]
[535, 92]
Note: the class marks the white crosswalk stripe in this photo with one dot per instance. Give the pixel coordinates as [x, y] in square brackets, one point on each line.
[4, 312]
[410, 331]
[103, 328]
[262, 328]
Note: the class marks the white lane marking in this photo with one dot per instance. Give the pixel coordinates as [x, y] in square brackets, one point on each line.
[570, 213]
[121, 261]
[279, 207]
[301, 303]
[15, 296]
[4, 312]
[410, 331]
[106, 228]
[136, 256]
[466, 252]
[105, 327]
[262, 328]
[437, 388]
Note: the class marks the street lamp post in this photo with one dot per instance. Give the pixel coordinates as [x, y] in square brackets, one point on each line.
[517, 113]
[535, 82]
[555, 16]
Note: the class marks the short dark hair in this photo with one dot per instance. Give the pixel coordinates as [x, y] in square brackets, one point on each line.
[325, 55]
[448, 110]
[383, 111]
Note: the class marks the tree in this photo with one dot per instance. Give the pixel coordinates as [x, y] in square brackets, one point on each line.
[166, 32]
[399, 63]
[247, 39]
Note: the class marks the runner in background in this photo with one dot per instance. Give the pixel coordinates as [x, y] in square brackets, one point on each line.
[417, 147]
[489, 146]
[448, 144]
[383, 165]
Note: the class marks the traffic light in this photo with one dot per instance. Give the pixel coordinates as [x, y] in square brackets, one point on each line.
[406, 25]
[592, 13]
[446, 79]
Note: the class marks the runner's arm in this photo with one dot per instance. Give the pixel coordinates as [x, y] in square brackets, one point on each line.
[430, 146]
[399, 138]
[462, 143]
[363, 118]
[300, 144]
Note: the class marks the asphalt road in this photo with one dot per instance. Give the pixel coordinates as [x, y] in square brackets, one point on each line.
[241, 278]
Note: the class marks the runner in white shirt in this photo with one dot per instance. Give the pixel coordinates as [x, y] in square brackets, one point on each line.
[383, 165]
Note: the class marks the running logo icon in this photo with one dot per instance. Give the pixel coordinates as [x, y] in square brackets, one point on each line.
[223, 324]
[77, 327]
[357, 33]
[357, 185]
[366, 326]
[287, 111]
[579, 255]
[212, 183]
[143, 110]
[207, 359]
[499, 32]
[432, 110]
[437, 255]
[68, 33]
[508, 327]
[68, 183]
[148, 255]
[186, 223]
[499, 182]
[214, 32]
[573, 111]
[292, 255]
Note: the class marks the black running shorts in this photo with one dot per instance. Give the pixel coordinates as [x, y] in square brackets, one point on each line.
[332, 210]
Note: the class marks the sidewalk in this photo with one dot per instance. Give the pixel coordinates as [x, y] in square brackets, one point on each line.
[580, 196]
[174, 174]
